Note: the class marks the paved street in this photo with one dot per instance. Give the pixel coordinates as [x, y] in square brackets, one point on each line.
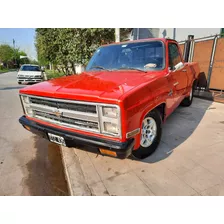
[189, 160]
[29, 165]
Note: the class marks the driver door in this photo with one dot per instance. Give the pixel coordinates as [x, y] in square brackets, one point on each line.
[178, 73]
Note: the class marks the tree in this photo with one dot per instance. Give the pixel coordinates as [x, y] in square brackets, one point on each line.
[70, 46]
[19, 60]
[6, 54]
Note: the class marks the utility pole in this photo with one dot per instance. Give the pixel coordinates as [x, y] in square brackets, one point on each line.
[137, 33]
[174, 33]
[14, 51]
[117, 34]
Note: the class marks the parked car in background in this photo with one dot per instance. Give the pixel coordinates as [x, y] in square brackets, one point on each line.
[118, 103]
[30, 74]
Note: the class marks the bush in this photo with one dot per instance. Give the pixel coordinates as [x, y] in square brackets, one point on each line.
[51, 74]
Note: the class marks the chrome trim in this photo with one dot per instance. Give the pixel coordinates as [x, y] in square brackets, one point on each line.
[110, 119]
[66, 113]
[85, 116]
[133, 133]
[65, 124]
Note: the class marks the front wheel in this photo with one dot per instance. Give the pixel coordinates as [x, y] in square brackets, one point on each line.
[151, 132]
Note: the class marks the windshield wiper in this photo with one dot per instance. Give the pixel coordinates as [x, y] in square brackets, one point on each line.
[131, 68]
[100, 67]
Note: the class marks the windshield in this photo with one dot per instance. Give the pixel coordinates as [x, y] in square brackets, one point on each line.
[141, 56]
[30, 68]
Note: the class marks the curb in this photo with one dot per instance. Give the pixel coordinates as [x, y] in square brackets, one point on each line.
[77, 185]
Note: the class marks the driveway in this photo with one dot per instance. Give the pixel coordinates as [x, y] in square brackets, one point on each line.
[29, 165]
[189, 160]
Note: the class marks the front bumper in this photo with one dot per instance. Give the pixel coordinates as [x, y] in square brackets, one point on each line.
[122, 149]
[29, 80]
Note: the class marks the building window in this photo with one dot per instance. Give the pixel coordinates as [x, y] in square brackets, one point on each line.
[222, 32]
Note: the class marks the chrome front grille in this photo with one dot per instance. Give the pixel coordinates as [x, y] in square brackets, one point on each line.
[65, 105]
[66, 113]
[66, 121]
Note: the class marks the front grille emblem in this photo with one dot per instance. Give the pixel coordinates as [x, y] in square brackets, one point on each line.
[58, 113]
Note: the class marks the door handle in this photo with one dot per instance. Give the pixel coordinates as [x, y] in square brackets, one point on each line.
[176, 83]
[184, 70]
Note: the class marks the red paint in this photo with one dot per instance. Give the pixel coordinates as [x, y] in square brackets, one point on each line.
[135, 92]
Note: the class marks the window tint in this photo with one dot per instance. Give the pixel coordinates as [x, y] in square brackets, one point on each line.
[174, 55]
[30, 68]
[143, 55]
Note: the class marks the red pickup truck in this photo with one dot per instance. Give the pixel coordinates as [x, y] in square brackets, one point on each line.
[118, 104]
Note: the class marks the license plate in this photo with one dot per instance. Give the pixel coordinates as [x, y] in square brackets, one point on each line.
[56, 139]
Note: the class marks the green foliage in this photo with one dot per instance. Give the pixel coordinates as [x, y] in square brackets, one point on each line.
[6, 53]
[70, 46]
[51, 74]
[11, 57]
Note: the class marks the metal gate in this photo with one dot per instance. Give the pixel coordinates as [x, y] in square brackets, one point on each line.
[209, 53]
[217, 75]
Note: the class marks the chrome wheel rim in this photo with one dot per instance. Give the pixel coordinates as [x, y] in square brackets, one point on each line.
[148, 134]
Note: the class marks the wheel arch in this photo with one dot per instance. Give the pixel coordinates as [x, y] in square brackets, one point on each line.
[161, 107]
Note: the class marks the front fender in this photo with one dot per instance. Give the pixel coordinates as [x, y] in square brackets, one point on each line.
[140, 103]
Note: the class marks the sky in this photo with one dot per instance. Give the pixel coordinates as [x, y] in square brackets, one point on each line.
[24, 39]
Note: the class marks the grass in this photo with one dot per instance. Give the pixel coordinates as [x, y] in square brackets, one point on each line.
[51, 74]
[6, 70]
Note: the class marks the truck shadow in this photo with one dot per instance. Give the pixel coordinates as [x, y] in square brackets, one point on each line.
[178, 128]
[12, 87]
[45, 172]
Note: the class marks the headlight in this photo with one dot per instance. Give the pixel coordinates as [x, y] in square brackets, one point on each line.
[110, 120]
[29, 111]
[110, 112]
[111, 127]
[25, 104]
[25, 99]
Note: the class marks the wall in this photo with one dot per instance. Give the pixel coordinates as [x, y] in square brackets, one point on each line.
[179, 34]
[182, 33]
[143, 33]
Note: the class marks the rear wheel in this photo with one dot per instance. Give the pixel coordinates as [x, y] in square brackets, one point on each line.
[188, 100]
[150, 135]
[19, 83]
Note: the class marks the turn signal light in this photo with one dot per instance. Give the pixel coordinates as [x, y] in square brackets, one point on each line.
[108, 152]
[27, 127]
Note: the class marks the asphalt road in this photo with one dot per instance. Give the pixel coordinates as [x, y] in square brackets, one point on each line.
[29, 165]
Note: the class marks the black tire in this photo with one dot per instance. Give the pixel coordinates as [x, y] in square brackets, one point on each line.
[188, 100]
[143, 152]
[19, 83]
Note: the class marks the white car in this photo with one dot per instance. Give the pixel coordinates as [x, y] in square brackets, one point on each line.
[30, 74]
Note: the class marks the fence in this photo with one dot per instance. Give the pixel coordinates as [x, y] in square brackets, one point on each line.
[209, 53]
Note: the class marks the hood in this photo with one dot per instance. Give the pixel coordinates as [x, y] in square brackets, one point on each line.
[28, 73]
[91, 86]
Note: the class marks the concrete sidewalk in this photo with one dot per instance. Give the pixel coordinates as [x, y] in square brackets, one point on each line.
[29, 165]
[189, 160]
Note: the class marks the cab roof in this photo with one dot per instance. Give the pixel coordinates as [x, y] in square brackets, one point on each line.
[141, 40]
[29, 65]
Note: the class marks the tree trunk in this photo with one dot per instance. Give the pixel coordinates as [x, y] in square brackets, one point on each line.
[73, 68]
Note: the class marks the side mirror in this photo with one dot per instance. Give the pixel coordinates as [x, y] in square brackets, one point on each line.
[178, 66]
